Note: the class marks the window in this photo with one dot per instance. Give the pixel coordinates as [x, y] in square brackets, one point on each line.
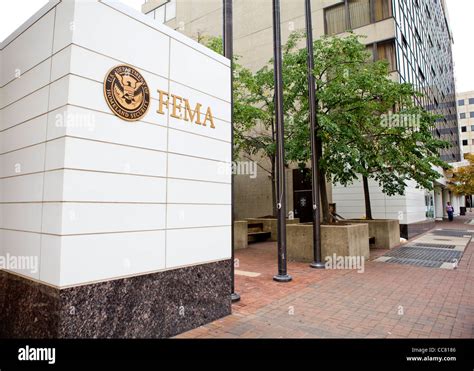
[386, 51]
[418, 37]
[471, 100]
[462, 116]
[165, 12]
[463, 129]
[472, 127]
[461, 102]
[359, 11]
[160, 14]
[421, 74]
[404, 41]
[383, 9]
[335, 19]
[464, 142]
[170, 10]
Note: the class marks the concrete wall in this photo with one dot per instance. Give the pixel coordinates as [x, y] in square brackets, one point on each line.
[92, 196]
[409, 208]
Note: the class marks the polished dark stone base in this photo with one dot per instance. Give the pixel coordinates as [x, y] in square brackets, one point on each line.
[155, 305]
[408, 231]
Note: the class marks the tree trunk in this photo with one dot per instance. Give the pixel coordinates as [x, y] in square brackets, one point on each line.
[274, 196]
[322, 186]
[327, 218]
[368, 208]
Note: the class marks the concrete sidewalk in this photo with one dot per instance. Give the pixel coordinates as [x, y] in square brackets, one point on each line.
[385, 301]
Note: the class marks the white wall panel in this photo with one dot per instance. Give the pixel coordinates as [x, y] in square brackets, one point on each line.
[103, 256]
[25, 188]
[28, 49]
[87, 218]
[191, 216]
[23, 161]
[149, 51]
[25, 109]
[27, 134]
[106, 157]
[22, 216]
[82, 123]
[192, 68]
[189, 191]
[25, 84]
[24, 245]
[199, 245]
[92, 186]
[180, 166]
[194, 145]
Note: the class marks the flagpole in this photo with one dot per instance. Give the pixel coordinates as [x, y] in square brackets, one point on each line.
[282, 275]
[229, 53]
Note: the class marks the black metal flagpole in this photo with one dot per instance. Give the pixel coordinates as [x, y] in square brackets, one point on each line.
[313, 118]
[229, 53]
[282, 275]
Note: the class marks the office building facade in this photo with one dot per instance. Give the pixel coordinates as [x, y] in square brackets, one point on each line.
[465, 102]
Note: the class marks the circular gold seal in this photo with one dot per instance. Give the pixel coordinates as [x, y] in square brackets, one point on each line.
[126, 92]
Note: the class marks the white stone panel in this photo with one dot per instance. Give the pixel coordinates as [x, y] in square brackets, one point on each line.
[199, 245]
[88, 218]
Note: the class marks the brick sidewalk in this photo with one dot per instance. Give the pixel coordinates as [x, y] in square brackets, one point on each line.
[386, 301]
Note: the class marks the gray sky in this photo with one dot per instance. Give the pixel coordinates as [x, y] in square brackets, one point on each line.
[14, 13]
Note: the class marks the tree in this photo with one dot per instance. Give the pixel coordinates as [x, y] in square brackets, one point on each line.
[462, 178]
[369, 124]
[390, 148]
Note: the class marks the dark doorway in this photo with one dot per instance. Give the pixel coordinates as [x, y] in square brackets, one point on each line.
[302, 195]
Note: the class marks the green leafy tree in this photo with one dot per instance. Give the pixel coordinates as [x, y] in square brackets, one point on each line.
[358, 133]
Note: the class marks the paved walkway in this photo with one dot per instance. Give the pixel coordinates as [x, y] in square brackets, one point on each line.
[386, 301]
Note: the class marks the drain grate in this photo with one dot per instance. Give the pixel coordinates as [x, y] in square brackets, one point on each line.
[426, 254]
[451, 233]
[415, 262]
[435, 245]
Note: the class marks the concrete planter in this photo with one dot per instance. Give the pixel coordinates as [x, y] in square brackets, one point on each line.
[240, 234]
[385, 231]
[342, 240]
[270, 225]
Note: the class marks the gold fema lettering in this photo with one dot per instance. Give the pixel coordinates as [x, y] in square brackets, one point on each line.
[180, 105]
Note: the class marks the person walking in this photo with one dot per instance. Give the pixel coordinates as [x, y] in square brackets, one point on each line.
[450, 211]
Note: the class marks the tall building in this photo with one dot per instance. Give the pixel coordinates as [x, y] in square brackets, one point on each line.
[465, 103]
[414, 36]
